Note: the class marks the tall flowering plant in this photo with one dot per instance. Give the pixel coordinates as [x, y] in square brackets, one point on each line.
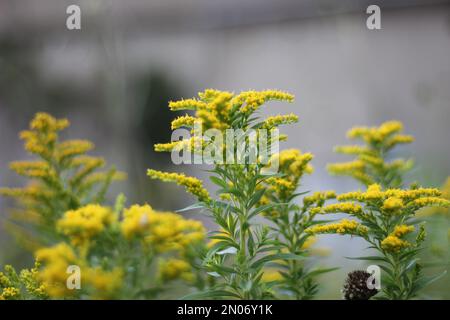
[60, 177]
[243, 249]
[385, 213]
[84, 248]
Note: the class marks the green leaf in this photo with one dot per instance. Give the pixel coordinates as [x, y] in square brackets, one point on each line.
[210, 294]
[195, 206]
[264, 208]
[229, 250]
[319, 271]
[425, 281]
[369, 258]
[273, 257]
[255, 198]
[218, 182]
[408, 267]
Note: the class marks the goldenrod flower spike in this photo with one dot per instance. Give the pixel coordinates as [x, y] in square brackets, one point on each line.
[166, 147]
[371, 165]
[344, 226]
[293, 164]
[392, 204]
[344, 207]
[394, 244]
[275, 121]
[192, 185]
[183, 121]
[188, 104]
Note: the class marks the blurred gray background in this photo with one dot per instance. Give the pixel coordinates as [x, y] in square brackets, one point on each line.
[113, 79]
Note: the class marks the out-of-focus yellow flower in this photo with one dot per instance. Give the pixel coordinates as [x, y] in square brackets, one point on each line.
[83, 224]
[271, 275]
[310, 241]
[55, 261]
[319, 197]
[99, 283]
[173, 269]
[370, 165]
[43, 134]
[445, 193]
[9, 293]
[32, 169]
[352, 149]
[164, 231]
[104, 283]
[72, 148]
[376, 134]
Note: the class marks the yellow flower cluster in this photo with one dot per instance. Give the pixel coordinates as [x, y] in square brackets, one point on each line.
[213, 110]
[344, 207]
[319, 197]
[401, 230]
[394, 244]
[173, 269]
[392, 205]
[436, 210]
[192, 185]
[382, 134]
[103, 283]
[278, 120]
[29, 278]
[10, 284]
[83, 224]
[71, 148]
[352, 149]
[164, 231]
[271, 275]
[167, 147]
[250, 101]
[344, 226]
[431, 202]
[56, 260]
[218, 109]
[9, 293]
[186, 104]
[183, 121]
[393, 200]
[355, 169]
[293, 164]
[62, 177]
[222, 110]
[370, 163]
[32, 169]
[43, 134]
